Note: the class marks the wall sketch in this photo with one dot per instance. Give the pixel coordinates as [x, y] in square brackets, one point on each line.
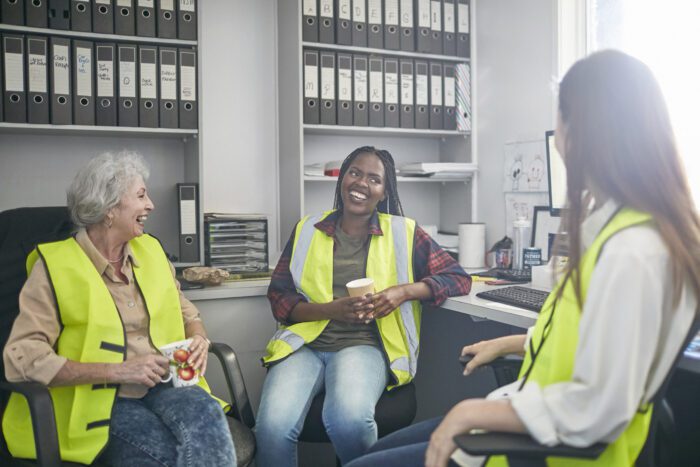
[525, 167]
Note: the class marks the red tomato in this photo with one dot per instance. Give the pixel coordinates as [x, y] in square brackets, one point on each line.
[181, 355]
[186, 373]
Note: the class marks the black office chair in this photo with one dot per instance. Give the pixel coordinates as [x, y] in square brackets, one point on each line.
[20, 231]
[523, 451]
[395, 410]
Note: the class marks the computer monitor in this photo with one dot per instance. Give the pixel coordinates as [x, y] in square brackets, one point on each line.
[556, 171]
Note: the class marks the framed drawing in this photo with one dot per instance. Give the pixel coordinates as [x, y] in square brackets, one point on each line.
[543, 224]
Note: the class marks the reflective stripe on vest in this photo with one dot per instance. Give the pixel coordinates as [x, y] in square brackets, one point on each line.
[555, 360]
[92, 331]
[388, 263]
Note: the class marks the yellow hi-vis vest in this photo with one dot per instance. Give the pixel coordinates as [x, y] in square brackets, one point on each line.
[389, 262]
[555, 360]
[92, 331]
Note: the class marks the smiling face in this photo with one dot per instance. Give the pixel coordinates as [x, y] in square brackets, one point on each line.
[129, 216]
[362, 187]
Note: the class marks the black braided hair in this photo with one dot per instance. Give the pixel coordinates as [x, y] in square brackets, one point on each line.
[391, 203]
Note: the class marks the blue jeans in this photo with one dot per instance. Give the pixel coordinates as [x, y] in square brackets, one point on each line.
[169, 427]
[403, 448]
[353, 378]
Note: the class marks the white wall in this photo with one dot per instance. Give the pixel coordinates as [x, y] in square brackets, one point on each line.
[239, 130]
[515, 72]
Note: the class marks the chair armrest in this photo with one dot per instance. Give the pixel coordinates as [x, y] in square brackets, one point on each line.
[505, 369]
[43, 420]
[521, 447]
[234, 380]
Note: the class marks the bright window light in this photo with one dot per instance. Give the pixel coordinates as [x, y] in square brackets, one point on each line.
[665, 36]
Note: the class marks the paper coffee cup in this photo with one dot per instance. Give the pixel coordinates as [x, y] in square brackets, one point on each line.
[360, 287]
[181, 373]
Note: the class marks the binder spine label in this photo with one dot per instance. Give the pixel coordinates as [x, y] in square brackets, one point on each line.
[188, 83]
[83, 61]
[392, 88]
[37, 73]
[344, 9]
[360, 86]
[424, 13]
[127, 79]
[327, 8]
[436, 90]
[61, 70]
[146, 3]
[449, 17]
[375, 83]
[187, 5]
[167, 4]
[105, 73]
[436, 16]
[463, 15]
[358, 11]
[309, 7]
[14, 72]
[421, 90]
[188, 217]
[406, 89]
[344, 84]
[391, 12]
[310, 81]
[328, 80]
[148, 80]
[406, 13]
[102, 2]
[450, 92]
[126, 3]
[168, 82]
[374, 13]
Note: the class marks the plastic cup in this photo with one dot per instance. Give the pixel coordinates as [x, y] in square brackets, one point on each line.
[360, 287]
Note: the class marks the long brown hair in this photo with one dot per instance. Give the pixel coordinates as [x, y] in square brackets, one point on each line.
[620, 143]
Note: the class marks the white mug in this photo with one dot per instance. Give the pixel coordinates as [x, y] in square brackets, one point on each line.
[181, 373]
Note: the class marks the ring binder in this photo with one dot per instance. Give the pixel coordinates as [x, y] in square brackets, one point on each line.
[14, 93]
[37, 80]
[81, 16]
[105, 101]
[83, 100]
[36, 14]
[61, 107]
[103, 17]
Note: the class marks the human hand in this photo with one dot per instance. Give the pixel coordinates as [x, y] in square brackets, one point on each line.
[199, 353]
[387, 301]
[442, 443]
[350, 309]
[144, 369]
[487, 351]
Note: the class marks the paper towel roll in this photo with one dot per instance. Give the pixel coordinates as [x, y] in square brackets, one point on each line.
[472, 245]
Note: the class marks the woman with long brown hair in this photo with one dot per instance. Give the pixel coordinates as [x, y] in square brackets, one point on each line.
[607, 335]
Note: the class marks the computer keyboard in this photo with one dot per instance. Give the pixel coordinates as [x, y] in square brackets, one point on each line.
[513, 275]
[523, 297]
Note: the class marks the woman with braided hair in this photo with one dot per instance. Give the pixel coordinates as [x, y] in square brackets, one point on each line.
[351, 348]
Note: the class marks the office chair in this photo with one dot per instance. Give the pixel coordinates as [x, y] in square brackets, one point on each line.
[20, 231]
[523, 451]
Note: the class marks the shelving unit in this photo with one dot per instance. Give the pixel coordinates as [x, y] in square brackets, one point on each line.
[444, 202]
[94, 35]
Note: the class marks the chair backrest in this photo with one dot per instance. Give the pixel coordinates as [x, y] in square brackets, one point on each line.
[21, 230]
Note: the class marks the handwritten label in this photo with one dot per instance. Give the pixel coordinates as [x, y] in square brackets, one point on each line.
[376, 93]
[449, 17]
[327, 8]
[188, 83]
[83, 70]
[391, 88]
[105, 77]
[435, 16]
[309, 7]
[344, 9]
[358, 10]
[423, 13]
[187, 5]
[374, 12]
[344, 84]
[407, 13]
[463, 18]
[421, 90]
[310, 81]
[327, 83]
[127, 79]
[61, 70]
[391, 12]
[360, 86]
[148, 80]
[450, 100]
[168, 81]
[406, 89]
[436, 90]
[37, 73]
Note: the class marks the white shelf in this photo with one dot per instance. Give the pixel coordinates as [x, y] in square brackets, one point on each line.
[433, 179]
[90, 130]
[94, 35]
[393, 53]
[379, 131]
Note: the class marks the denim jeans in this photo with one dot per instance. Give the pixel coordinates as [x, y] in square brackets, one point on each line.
[353, 379]
[169, 427]
[403, 448]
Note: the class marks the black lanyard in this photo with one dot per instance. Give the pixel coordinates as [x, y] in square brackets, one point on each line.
[535, 352]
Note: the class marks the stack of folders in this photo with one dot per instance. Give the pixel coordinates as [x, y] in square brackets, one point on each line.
[431, 26]
[384, 91]
[76, 82]
[236, 243]
[167, 19]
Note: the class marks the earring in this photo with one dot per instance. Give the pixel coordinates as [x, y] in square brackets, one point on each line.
[109, 222]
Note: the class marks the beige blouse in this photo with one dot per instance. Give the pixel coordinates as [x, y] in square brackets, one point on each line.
[30, 355]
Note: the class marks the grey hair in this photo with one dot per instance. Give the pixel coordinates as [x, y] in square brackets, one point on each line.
[100, 184]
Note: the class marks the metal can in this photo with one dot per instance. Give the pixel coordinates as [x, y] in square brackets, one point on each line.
[531, 257]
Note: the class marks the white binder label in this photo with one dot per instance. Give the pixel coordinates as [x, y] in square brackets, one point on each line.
[421, 90]
[310, 81]
[61, 70]
[148, 80]
[37, 73]
[436, 90]
[376, 93]
[391, 12]
[344, 84]
[450, 100]
[435, 16]
[358, 10]
[360, 86]
[188, 217]
[407, 13]
[391, 85]
[188, 83]
[309, 7]
[167, 5]
[327, 83]
[83, 63]
[463, 15]
[187, 5]
[423, 13]
[14, 72]
[374, 11]
[103, 2]
[407, 89]
[168, 82]
[126, 3]
[327, 8]
[105, 74]
[146, 3]
[127, 79]
[449, 17]
[344, 9]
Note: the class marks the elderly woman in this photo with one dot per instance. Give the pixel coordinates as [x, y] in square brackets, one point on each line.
[93, 313]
